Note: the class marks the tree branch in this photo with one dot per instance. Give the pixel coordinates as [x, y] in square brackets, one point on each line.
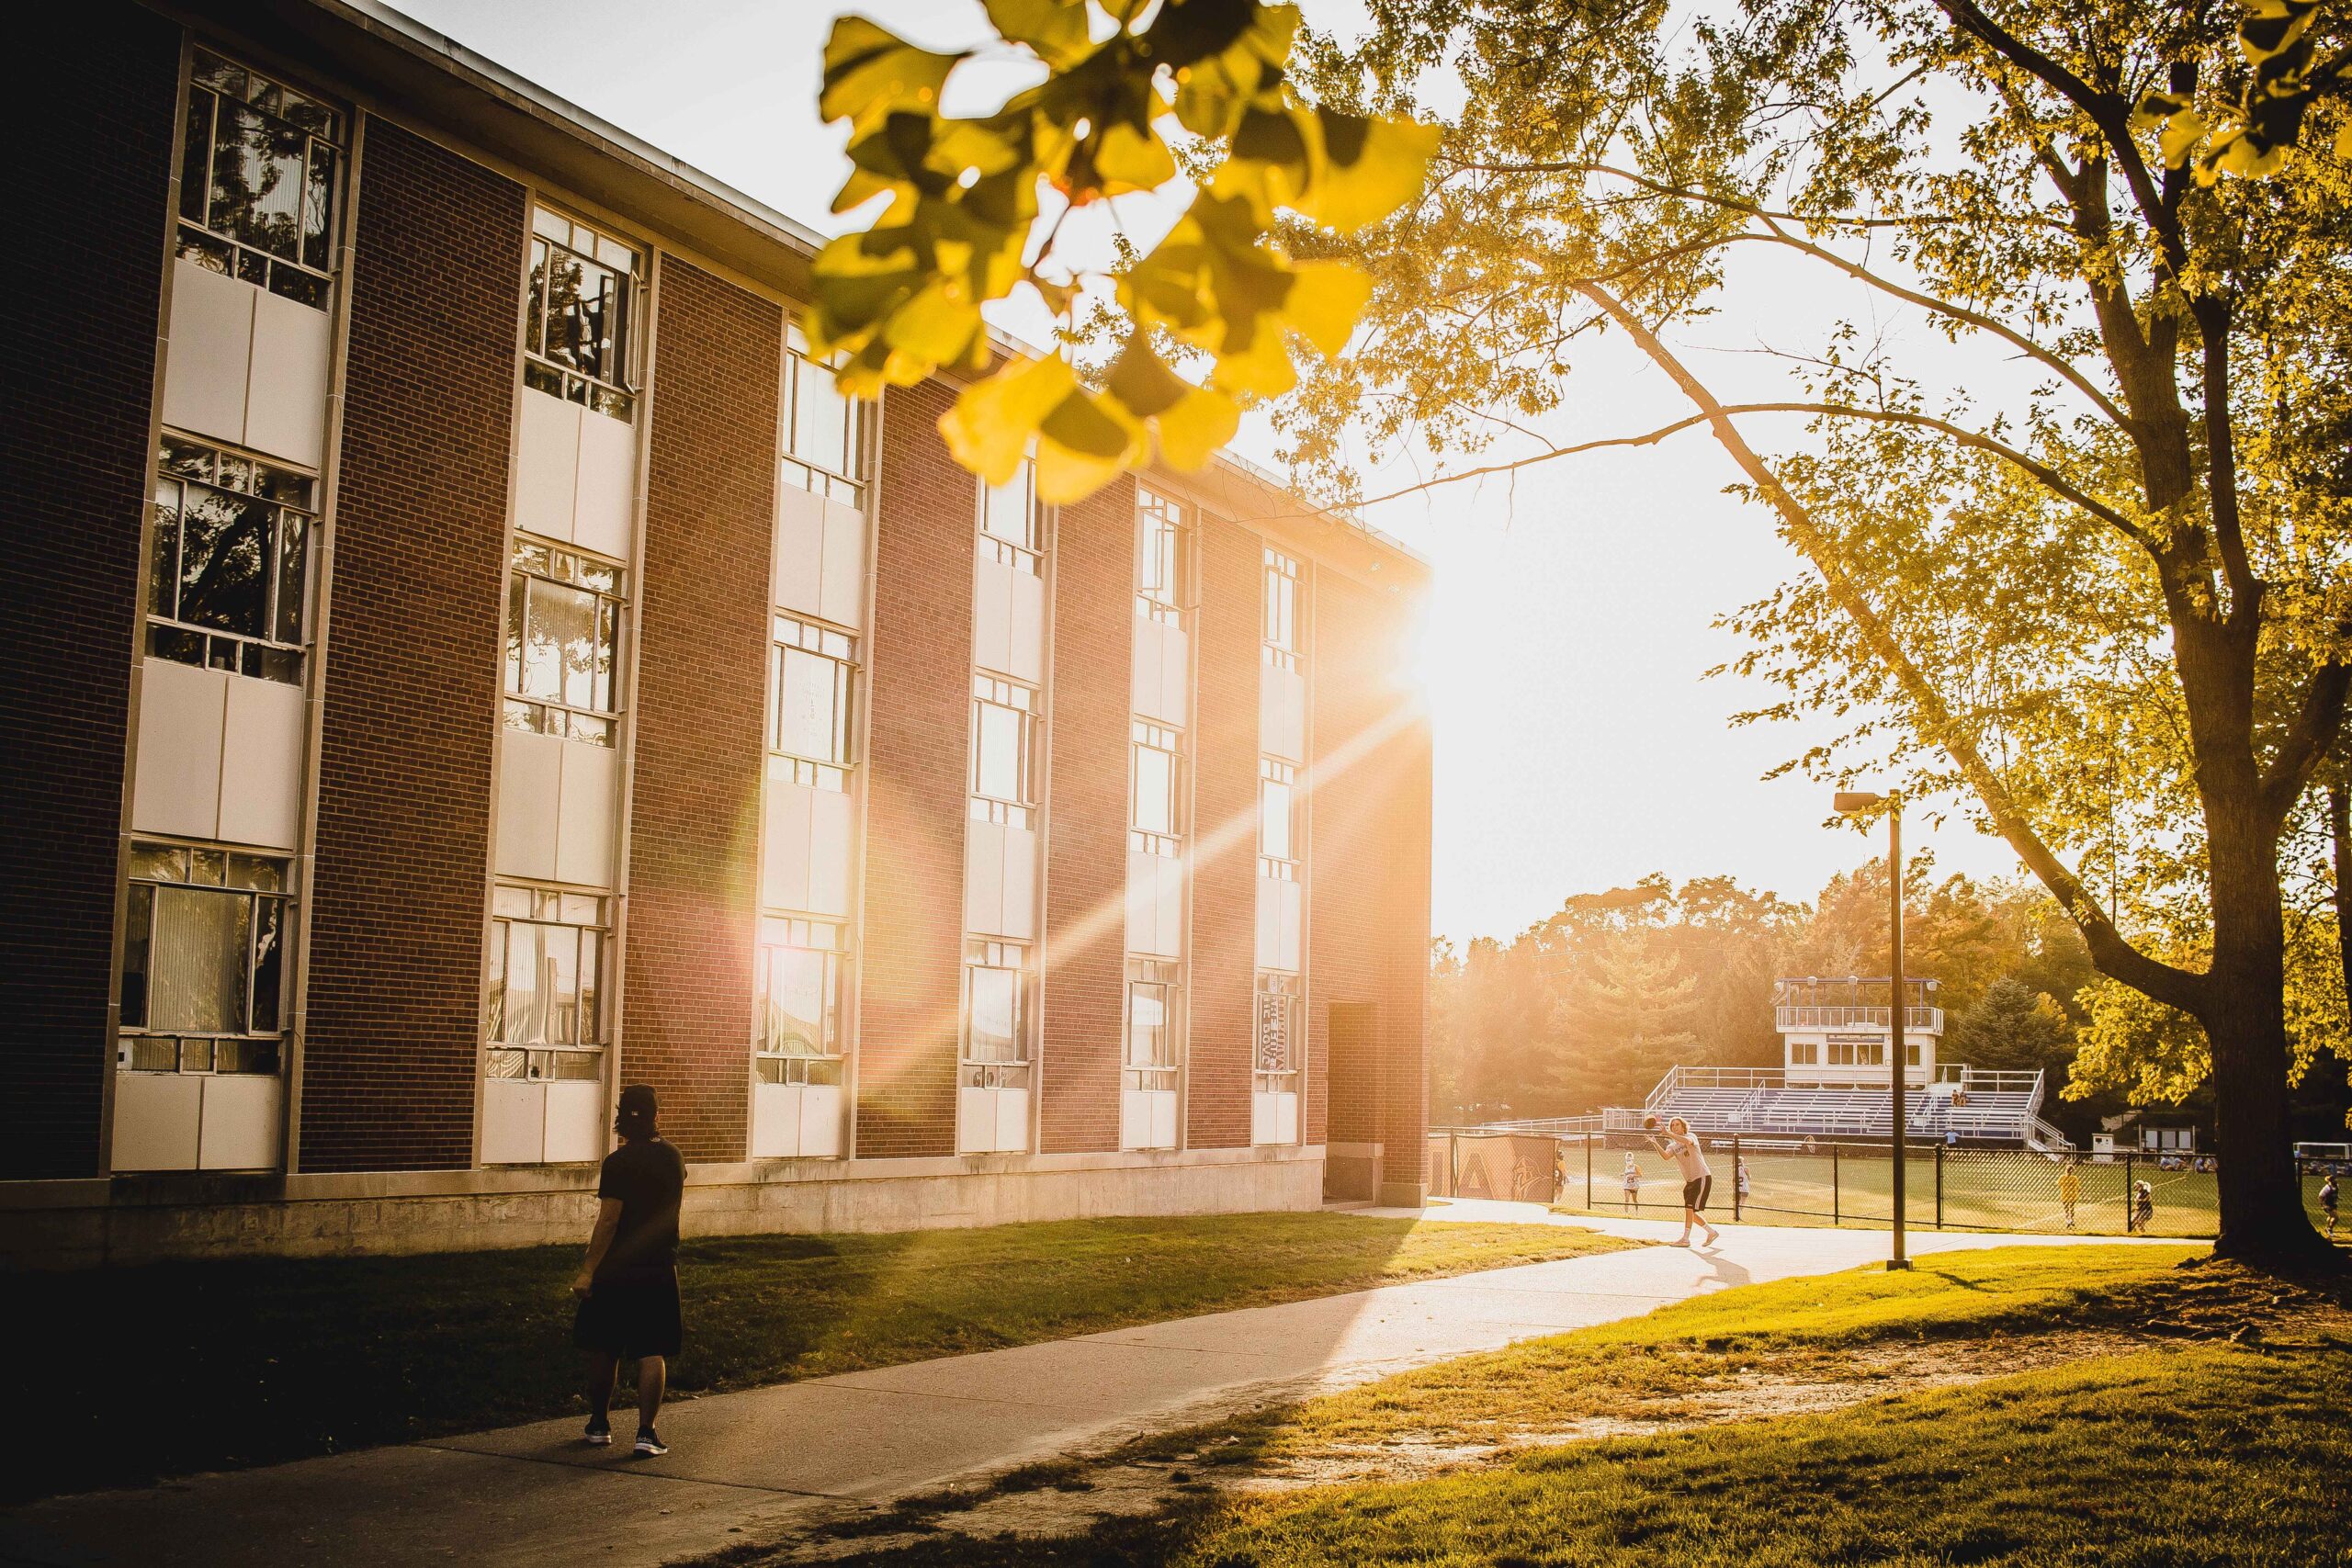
[2222, 458]
[2113, 953]
[2308, 742]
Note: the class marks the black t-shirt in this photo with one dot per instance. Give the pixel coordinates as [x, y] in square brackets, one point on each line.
[648, 1175]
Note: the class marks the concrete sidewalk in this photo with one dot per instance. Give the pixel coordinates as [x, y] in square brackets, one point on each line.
[744, 1464]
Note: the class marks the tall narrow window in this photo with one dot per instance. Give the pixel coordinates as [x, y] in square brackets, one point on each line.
[564, 620]
[1280, 639]
[1152, 1004]
[1156, 791]
[1281, 1045]
[824, 433]
[544, 1005]
[579, 320]
[1012, 526]
[812, 684]
[1278, 835]
[204, 962]
[229, 579]
[259, 181]
[1163, 558]
[996, 1014]
[1005, 751]
[799, 1004]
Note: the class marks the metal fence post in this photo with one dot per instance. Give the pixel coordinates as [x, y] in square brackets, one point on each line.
[1736, 1168]
[1837, 1201]
[1453, 1165]
[2131, 1180]
[1587, 1173]
[1940, 1185]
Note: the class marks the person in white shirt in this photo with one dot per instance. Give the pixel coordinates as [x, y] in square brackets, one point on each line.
[1679, 1146]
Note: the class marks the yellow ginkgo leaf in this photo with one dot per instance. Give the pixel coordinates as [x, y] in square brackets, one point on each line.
[1325, 303]
[871, 72]
[990, 428]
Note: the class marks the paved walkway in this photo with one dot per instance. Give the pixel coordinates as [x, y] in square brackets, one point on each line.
[743, 1465]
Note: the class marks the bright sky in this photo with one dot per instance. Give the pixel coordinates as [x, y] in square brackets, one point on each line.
[1578, 746]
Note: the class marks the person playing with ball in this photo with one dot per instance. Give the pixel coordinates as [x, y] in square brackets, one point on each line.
[1679, 1146]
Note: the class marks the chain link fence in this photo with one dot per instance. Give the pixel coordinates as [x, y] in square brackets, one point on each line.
[1828, 1182]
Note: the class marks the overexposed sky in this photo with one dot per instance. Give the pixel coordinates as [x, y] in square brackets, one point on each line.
[1578, 747]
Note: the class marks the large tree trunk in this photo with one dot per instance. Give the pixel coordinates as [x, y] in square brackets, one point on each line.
[2263, 1221]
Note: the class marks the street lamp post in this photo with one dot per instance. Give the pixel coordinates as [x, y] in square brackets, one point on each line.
[1860, 800]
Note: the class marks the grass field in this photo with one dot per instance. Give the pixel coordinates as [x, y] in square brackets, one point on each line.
[171, 1367]
[2018, 1407]
[1982, 1190]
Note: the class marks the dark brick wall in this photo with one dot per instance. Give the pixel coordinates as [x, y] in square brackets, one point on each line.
[919, 691]
[1368, 889]
[1224, 859]
[700, 704]
[77, 328]
[412, 671]
[1086, 838]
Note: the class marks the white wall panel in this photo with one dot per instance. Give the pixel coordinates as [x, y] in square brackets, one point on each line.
[583, 835]
[1290, 900]
[1026, 635]
[605, 510]
[1273, 1117]
[842, 595]
[784, 853]
[984, 878]
[1282, 712]
[1170, 923]
[776, 1121]
[1012, 1121]
[993, 615]
[156, 1119]
[240, 1121]
[1144, 690]
[1175, 676]
[1270, 923]
[799, 573]
[514, 1121]
[820, 1121]
[261, 763]
[575, 1122]
[182, 711]
[210, 353]
[975, 1120]
[546, 465]
[831, 826]
[286, 408]
[1142, 901]
[1163, 1118]
[1134, 1119]
[530, 793]
[1021, 884]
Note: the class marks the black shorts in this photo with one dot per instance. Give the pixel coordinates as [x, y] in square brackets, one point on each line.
[630, 1317]
[1695, 1190]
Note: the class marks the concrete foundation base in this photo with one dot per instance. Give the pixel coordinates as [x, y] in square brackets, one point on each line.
[131, 1219]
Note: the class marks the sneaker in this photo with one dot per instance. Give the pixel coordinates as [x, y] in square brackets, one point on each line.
[599, 1433]
[649, 1444]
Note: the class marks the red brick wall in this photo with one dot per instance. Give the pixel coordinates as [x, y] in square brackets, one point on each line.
[1225, 820]
[78, 321]
[919, 691]
[1368, 890]
[699, 708]
[411, 673]
[1086, 833]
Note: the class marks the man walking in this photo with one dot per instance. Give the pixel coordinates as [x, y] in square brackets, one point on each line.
[628, 1286]
[1681, 1147]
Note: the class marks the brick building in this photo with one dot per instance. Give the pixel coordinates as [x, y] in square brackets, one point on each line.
[475, 659]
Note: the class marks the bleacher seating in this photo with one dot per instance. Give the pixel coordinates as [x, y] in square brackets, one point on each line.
[1758, 1106]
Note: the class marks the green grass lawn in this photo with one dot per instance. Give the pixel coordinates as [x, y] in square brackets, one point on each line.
[2209, 1452]
[161, 1370]
[1999, 1190]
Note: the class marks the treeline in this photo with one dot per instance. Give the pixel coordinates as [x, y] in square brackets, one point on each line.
[1590, 1007]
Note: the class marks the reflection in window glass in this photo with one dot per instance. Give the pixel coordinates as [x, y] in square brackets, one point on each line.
[1155, 796]
[798, 990]
[1013, 520]
[1163, 558]
[563, 615]
[543, 1007]
[812, 681]
[203, 955]
[258, 180]
[824, 431]
[579, 318]
[1004, 743]
[229, 561]
[1150, 1049]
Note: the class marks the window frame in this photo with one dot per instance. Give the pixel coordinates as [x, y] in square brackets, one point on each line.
[1165, 976]
[1282, 612]
[588, 725]
[1275, 770]
[1149, 735]
[615, 397]
[258, 1052]
[1166, 578]
[799, 933]
[803, 472]
[1292, 991]
[999, 691]
[790, 634]
[266, 656]
[194, 237]
[1026, 554]
[591, 1015]
[995, 955]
